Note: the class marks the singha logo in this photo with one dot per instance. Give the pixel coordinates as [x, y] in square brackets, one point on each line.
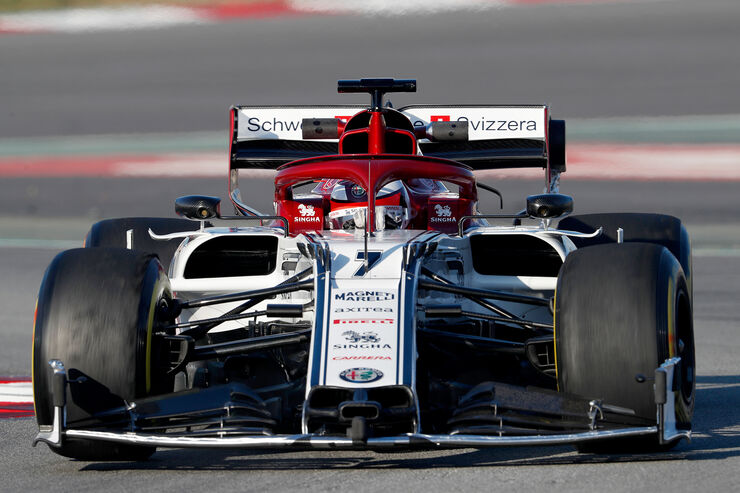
[442, 211]
[355, 337]
[306, 210]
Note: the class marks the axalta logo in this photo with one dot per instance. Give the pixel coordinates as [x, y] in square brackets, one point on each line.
[306, 210]
[365, 296]
[361, 375]
[361, 358]
[364, 309]
[353, 336]
[339, 321]
[442, 210]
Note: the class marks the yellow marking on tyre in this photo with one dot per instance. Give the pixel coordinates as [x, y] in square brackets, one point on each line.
[33, 350]
[554, 337]
[671, 304]
[149, 327]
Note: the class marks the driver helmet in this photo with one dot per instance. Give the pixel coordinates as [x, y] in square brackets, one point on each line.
[349, 206]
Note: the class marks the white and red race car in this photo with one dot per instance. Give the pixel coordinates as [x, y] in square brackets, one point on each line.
[377, 307]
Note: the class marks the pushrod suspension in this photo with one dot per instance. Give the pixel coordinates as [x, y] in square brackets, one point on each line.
[485, 304]
[482, 293]
[201, 330]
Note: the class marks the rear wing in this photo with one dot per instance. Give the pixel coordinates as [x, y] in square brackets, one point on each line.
[266, 137]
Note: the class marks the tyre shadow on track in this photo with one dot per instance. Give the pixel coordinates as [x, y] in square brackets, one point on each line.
[716, 436]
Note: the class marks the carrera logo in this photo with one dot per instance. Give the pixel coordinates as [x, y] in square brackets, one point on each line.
[361, 358]
[361, 375]
[340, 321]
[365, 296]
[442, 211]
[439, 118]
[353, 336]
[306, 210]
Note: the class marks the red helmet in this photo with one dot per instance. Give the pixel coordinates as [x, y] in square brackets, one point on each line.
[349, 203]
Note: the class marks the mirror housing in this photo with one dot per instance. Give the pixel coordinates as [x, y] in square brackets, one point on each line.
[549, 205]
[556, 135]
[198, 207]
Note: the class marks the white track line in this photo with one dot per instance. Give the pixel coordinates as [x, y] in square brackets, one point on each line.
[82, 20]
[100, 19]
[16, 392]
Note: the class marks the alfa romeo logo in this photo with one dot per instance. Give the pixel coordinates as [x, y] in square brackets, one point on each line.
[361, 375]
[357, 191]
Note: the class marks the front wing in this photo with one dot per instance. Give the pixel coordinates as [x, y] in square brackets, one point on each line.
[665, 429]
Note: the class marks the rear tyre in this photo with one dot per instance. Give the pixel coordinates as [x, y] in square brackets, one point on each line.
[621, 311]
[95, 312]
[112, 233]
[659, 229]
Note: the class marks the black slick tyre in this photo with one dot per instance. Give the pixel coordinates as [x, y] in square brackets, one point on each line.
[112, 233]
[660, 229]
[95, 313]
[621, 310]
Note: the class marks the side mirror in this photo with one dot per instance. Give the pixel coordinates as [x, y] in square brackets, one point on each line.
[556, 135]
[549, 205]
[198, 207]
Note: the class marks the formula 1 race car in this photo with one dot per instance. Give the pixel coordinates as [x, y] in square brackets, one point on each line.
[376, 308]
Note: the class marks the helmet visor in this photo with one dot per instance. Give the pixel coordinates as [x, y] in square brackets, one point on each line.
[386, 217]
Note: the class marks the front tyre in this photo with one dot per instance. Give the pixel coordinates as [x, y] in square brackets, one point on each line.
[659, 229]
[621, 311]
[96, 311]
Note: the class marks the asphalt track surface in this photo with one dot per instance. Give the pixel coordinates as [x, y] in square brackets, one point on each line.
[660, 58]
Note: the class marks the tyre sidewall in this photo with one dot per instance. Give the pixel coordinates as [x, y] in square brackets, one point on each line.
[94, 313]
[615, 319]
